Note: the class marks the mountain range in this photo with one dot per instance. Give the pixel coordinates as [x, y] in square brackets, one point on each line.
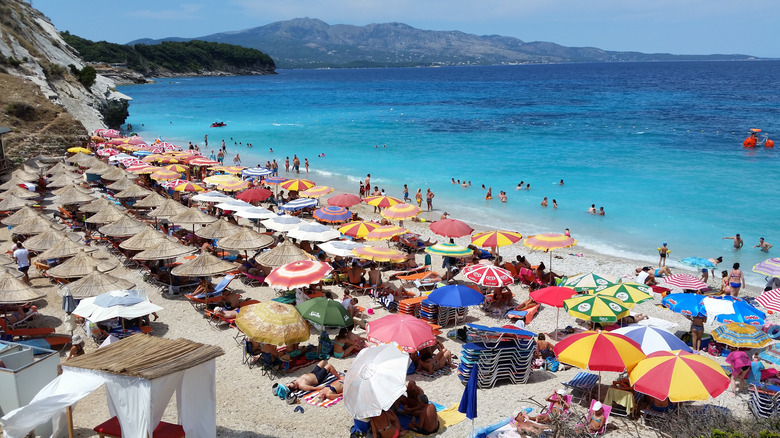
[312, 43]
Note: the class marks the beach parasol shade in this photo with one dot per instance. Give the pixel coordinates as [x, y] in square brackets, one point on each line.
[451, 228]
[401, 212]
[96, 205]
[553, 296]
[19, 193]
[596, 308]
[488, 275]
[282, 223]
[96, 283]
[163, 250]
[410, 333]
[379, 254]
[341, 248]
[62, 180]
[120, 185]
[72, 188]
[770, 300]
[275, 180]
[98, 168]
[495, 239]
[147, 238]
[192, 216]
[65, 247]
[382, 201]
[43, 241]
[12, 271]
[685, 281]
[11, 202]
[178, 168]
[254, 213]
[59, 167]
[345, 200]
[167, 209]
[325, 312]
[188, 187]
[281, 255]
[5, 260]
[233, 186]
[23, 175]
[235, 170]
[115, 304]
[313, 232]
[80, 265]
[772, 354]
[273, 323]
[769, 267]
[134, 191]
[298, 274]
[204, 265]
[220, 179]
[316, 192]
[124, 227]
[599, 351]
[14, 181]
[297, 185]
[21, 216]
[255, 172]
[147, 170]
[653, 339]
[589, 282]
[549, 242]
[299, 204]
[80, 159]
[232, 204]
[386, 232]
[685, 304]
[13, 290]
[376, 379]
[743, 312]
[79, 150]
[255, 194]
[331, 215]
[456, 295]
[152, 200]
[217, 230]
[679, 376]
[358, 229]
[739, 335]
[449, 250]
[698, 262]
[115, 174]
[109, 214]
[73, 196]
[629, 293]
[36, 225]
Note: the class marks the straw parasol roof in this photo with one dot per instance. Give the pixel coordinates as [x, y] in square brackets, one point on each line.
[133, 191]
[5, 260]
[73, 187]
[125, 226]
[121, 184]
[98, 168]
[23, 215]
[12, 271]
[111, 213]
[44, 240]
[192, 216]
[283, 254]
[81, 264]
[203, 265]
[24, 175]
[245, 239]
[13, 290]
[165, 249]
[217, 230]
[167, 209]
[96, 283]
[19, 193]
[35, 225]
[73, 196]
[14, 181]
[147, 357]
[153, 200]
[116, 173]
[96, 205]
[63, 248]
[61, 180]
[11, 202]
[58, 168]
[147, 238]
[82, 159]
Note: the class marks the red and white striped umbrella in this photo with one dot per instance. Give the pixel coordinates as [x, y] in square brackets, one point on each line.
[685, 281]
[770, 300]
[173, 183]
[107, 152]
[168, 146]
[110, 133]
[488, 275]
[298, 274]
[136, 140]
[127, 162]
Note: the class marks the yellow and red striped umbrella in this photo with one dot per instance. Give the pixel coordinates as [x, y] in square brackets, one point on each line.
[297, 185]
[199, 161]
[233, 169]
[599, 351]
[144, 170]
[401, 211]
[316, 192]
[188, 187]
[165, 175]
[217, 168]
[233, 186]
[597, 308]
[679, 376]
[176, 167]
[151, 158]
[379, 254]
[382, 201]
[386, 232]
[493, 239]
[548, 241]
[358, 229]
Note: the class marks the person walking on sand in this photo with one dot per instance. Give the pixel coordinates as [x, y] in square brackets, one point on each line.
[367, 184]
[429, 199]
[406, 193]
[663, 251]
[736, 279]
[418, 197]
[765, 246]
[737, 241]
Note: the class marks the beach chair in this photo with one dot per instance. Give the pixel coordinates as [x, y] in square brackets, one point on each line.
[582, 385]
[567, 398]
[764, 400]
[253, 280]
[24, 332]
[199, 301]
[586, 419]
[24, 322]
[217, 320]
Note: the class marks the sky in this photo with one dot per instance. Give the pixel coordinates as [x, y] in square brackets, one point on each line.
[652, 26]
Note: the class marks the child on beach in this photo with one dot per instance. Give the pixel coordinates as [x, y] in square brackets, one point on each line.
[662, 252]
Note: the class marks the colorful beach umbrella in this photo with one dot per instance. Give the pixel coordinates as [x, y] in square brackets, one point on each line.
[549, 242]
[771, 354]
[325, 312]
[299, 204]
[685, 304]
[685, 281]
[553, 296]
[769, 267]
[770, 300]
[401, 212]
[629, 293]
[456, 295]
[653, 339]
[188, 187]
[410, 333]
[79, 150]
[298, 274]
[385, 232]
[589, 282]
[741, 335]
[345, 200]
[275, 180]
[447, 249]
[495, 239]
[164, 175]
[488, 275]
[743, 312]
[178, 168]
[107, 152]
[233, 186]
[255, 172]
[316, 192]
[297, 185]
[199, 161]
[379, 254]
[698, 262]
[235, 170]
[679, 376]
[382, 201]
[358, 229]
[255, 194]
[596, 308]
[330, 214]
[273, 323]
[451, 228]
[599, 351]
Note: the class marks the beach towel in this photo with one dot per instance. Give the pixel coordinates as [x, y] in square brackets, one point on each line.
[312, 399]
[439, 372]
[301, 393]
[447, 417]
[506, 431]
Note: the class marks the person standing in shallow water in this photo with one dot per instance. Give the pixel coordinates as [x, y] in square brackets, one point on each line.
[287, 164]
[429, 199]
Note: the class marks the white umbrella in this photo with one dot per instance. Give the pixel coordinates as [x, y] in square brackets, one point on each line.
[211, 197]
[233, 204]
[342, 248]
[314, 232]
[282, 223]
[116, 304]
[375, 380]
[254, 213]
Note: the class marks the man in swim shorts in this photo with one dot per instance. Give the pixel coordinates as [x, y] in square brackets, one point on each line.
[310, 381]
[765, 246]
[737, 241]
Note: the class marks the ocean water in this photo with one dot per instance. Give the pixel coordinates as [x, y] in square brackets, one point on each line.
[658, 145]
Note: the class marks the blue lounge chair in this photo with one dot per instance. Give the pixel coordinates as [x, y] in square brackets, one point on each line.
[582, 385]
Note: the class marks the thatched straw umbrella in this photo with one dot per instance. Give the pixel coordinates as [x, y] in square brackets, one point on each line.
[203, 265]
[11, 202]
[14, 181]
[115, 174]
[96, 283]
[44, 240]
[153, 200]
[24, 175]
[23, 215]
[125, 226]
[73, 196]
[167, 209]
[19, 193]
[12, 271]
[63, 248]
[14, 291]
[283, 254]
[98, 168]
[80, 265]
[217, 230]
[192, 217]
[6, 261]
[59, 167]
[35, 225]
[121, 184]
[245, 239]
[111, 213]
[166, 249]
[145, 239]
[96, 205]
[133, 191]
[81, 159]
[73, 187]
[61, 180]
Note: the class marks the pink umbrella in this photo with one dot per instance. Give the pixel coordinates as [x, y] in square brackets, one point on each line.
[136, 140]
[110, 133]
[410, 333]
[107, 152]
[345, 200]
[685, 281]
[553, 296]
[298, 274]
[488, 275]
[451, 228]
[770, 300]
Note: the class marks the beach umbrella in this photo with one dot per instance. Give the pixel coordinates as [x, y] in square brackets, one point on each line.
[124, 227]
[147, 238]
[685, 304]
[22, 175]
[11, 202]
[698, 262]
[255, 194]
[297, 185]
[152, 200]
[325, 312]
[63, 180]
[19, 192]
[165, 175]
[488, 275]
[255, 171]
[771, 354]
[254, 213]
[217, 230]
[235, 170]
[142, 169]
[313, 232]
[211, 197]
[341, 248]
[96, 283]
[82, 264]
[495, 239]
[233, 186]
[739, 335]
[769, 267]
[358, 229]
[171, 183]
[273, 323]
[456, 295]
[13, 182]
[74, 196]
[401, 212]
[299, 204]
[126, 304]
[275, 180]
[386, 232]
[169, 208]
[200, 161]
[63, 248]
[282, 223]
[379, 254]
[117, 174]
[316, 192]
[332, 215]
[743, 312]
[589, 282]
[204, 265]
[107, 215]
[36, 225]
[74, 187]
[468, 401]
[220, 179]
[376, 378]
[13, 291]
[178, 168]
[5, 260]
[79, 150]
[163, 250]
[549, 242]
[121, 184]
[447, 249]
[98, 168]
[553, 296]
[630, 294]
[653, 339]
[43, 241]
[79, 158]
[382, 201]
[451, 228]
[596, 308]
[410, 333]
[281, 255]
[233, 204]
[685, 281]
[188, 187]
[679, 376]
[599, 351]
[345, 200]
[770, 299]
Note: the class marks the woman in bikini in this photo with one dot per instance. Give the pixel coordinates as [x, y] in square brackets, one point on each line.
[736, 280]
[697, 329]
[558, 408]
[343, 346]
[385, 425]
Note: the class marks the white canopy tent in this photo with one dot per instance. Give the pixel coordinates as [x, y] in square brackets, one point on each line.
[141, 373]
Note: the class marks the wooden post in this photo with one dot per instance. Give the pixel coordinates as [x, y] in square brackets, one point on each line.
[69, 414]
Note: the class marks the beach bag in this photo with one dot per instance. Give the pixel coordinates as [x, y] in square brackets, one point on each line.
[281, 391]
[539, 363]
[713, 349]
[552, 364]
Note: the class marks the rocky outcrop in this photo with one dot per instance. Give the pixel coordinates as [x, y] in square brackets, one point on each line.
[58, 110]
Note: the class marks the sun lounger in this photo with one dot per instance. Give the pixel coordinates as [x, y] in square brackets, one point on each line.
[413, 271]
[200, 300]
[217, 320]
[51, 342]
[24, 332]
[24, 322]
[582, 385]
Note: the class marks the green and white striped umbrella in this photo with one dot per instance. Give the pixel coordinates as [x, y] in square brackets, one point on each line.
[449, 250]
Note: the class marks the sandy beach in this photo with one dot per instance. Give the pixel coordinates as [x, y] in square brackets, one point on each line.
[245, 403]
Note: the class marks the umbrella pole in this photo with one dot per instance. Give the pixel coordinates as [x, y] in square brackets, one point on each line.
[557, 314]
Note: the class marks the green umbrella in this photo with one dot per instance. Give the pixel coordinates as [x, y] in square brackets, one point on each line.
[629, 293]
[589, 282]
[449, 250]
[325, 312]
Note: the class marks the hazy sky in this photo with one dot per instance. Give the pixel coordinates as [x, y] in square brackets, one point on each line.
[671, 26]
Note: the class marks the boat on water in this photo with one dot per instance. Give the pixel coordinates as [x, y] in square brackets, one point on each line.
[754, 140]
[218, 124]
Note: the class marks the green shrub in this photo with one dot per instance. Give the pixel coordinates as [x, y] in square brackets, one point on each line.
[115, 113]
[21, 110]
[86, 75]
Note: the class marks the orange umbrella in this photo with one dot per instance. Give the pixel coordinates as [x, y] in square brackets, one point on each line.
[386, 232]
[358, 229]
[316, 192]
[382, 201]
[401, 211]
[379, 254]
[151, 158]
[297, 185]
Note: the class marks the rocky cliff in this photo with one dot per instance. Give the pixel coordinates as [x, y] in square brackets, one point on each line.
[42, 98]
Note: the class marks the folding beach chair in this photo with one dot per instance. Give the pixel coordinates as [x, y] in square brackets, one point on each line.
[586, 419]
[582, 385]
[764, 400]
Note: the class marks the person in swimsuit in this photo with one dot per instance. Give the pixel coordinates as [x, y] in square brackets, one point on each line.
[559, 407]
[737, 241]
[342, 345]
[310, 381]
[662, 253]
[406, 193]
[525, 425]
[331, 391]
[697, 329]
[736, 279]
[660, 405]
[489, 194]
[765, 246]
[77, 346]
[426, 422]
[385, 425]
[418, 197]
[595, 420]
[544, 202]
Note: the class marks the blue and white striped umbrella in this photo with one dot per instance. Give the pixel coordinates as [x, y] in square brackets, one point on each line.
[256, 171]
[300, 203]
[652, 339]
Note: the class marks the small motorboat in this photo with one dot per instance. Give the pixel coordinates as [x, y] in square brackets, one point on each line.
[218, 124]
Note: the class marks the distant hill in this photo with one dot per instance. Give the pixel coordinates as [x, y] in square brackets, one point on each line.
[312, 43]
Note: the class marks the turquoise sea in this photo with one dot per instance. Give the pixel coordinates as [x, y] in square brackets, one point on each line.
[658, 145]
